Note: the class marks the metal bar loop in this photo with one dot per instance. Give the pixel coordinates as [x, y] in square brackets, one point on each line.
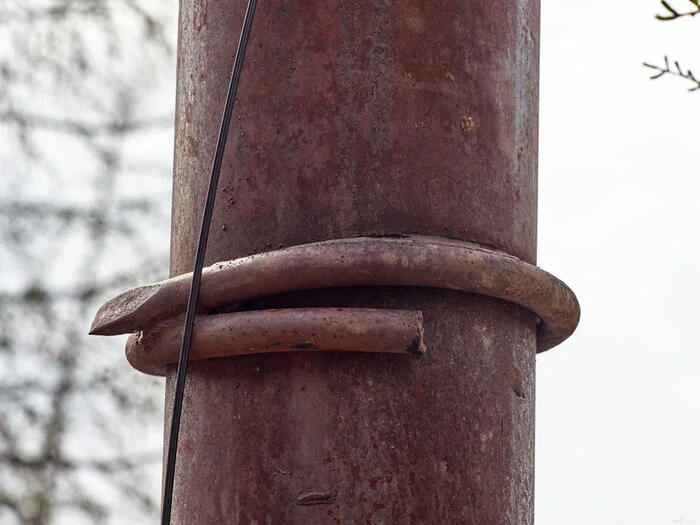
[364, 261]
[280, 330]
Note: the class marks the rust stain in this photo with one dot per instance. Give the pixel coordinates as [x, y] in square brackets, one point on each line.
[316, 498]
[515, 379]
[262, 91]
[192, 147]
[467, 124]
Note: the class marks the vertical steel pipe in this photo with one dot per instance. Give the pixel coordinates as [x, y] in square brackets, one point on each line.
[358, 119]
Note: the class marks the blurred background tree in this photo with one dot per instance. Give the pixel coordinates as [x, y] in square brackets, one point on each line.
[670, 13]
[85, 153]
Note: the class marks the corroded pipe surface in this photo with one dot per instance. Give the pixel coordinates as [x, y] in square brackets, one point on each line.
[359, 119]
[273, 331]
[409, 261]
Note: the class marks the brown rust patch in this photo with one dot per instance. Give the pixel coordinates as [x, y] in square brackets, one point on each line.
[316, 498]
[467, 124]
[307, 345]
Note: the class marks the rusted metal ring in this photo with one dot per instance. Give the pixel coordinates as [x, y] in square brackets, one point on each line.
[288, 330]
[363, 261]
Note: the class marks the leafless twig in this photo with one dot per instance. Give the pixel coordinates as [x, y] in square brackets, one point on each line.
[673, 14]
[676, 70]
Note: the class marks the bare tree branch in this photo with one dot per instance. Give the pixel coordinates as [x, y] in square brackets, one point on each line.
[82, 67]
[676, 70]
[673, 14]
[84, 129]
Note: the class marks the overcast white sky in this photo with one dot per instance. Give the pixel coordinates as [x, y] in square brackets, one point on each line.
[618, 424]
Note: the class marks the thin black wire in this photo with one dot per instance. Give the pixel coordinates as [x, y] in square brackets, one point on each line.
[199, 262]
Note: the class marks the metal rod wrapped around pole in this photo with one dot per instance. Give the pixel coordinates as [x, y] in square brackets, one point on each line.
[406, 261]
[270, 331]
[359, 124]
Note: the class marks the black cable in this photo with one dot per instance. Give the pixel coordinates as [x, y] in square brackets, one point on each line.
[199, 263]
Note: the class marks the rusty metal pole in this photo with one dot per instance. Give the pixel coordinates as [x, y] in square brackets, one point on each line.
[356, 119]
[361, 119]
